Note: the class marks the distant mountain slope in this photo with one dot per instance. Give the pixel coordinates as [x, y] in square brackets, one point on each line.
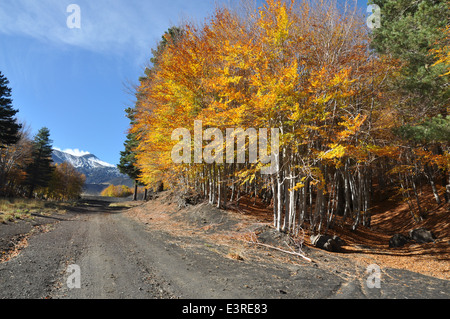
[99, 174]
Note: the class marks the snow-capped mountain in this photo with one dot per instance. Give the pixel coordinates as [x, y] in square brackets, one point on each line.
[99, 174]
[86, 161]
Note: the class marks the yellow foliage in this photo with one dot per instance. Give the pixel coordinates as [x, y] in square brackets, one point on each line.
[271, 70]
[66, 183]
[336, 151]
[117, 191]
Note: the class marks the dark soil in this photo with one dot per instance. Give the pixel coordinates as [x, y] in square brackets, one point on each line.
[236, 234]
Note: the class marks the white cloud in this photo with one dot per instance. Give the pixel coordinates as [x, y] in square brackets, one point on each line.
[74, 152]
[106, 26]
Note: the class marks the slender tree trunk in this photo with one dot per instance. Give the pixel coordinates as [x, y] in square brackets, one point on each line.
[279, 202]
[286, 204]
[447, 187]
[347, 188]
[367, 197]
[135, 190]
[429, 175]
[274, 184]
[292, 202]
[280, 198]
[211, 185]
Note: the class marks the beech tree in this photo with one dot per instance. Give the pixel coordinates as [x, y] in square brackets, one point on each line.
[304, 69]
[66, 183]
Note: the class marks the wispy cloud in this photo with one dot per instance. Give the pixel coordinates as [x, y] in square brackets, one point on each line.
[106, 26]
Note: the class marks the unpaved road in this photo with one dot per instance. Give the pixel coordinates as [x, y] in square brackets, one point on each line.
[120, 258]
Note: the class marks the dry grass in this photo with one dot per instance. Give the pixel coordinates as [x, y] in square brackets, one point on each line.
[128, 204]
[17, 209]
[236, 254]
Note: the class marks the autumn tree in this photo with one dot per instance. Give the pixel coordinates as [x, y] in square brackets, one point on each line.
[117, 191]
[66, 183]
[137, 132]
[14, 159]
[304, 69]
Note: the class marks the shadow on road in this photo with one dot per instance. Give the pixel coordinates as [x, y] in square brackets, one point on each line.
[99, 204]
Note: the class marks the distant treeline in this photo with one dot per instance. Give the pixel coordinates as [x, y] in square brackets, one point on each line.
[26, 166]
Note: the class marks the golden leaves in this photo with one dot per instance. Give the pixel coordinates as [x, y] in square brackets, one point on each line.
[273, 70]
[336, 151]
[352, 126]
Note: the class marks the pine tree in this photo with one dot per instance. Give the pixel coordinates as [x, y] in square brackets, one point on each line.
[409, 31]
[416, 33]
[40, 170]
[9, 128]
[434, 130]
[128, 156]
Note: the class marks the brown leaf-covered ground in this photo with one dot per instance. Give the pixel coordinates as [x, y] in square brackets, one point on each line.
[238, 227]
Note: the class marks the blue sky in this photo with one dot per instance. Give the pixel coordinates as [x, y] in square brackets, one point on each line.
[75, 81]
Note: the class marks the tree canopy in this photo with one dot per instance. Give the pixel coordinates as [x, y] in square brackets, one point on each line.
[359, 111]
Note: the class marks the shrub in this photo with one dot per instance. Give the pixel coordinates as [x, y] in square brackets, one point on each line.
[117, 191]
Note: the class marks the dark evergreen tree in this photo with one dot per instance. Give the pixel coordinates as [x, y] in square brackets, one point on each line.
[172, 34]
[9, 128]
[39, 172]
[409, 31]
[128, 156]
[434, 130]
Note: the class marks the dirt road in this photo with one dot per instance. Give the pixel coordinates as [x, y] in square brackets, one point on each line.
[117, 257]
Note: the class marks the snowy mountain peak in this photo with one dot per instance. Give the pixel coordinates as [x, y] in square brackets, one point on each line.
[99, 174]
[85, 161]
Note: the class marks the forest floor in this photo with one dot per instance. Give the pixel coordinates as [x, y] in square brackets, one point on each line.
[243, 228]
